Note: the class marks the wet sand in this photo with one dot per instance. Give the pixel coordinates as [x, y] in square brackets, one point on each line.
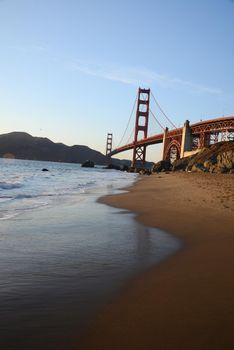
[187, 301]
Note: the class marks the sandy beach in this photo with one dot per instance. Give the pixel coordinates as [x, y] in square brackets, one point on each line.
[187, 301]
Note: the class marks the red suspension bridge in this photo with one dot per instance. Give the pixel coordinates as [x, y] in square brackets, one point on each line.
[176, 142]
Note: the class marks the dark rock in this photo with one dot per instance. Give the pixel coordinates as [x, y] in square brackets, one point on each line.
[181, 164]
[144, 172]
[163, 165]
[224, 170]
[131, 170]
[112, 166]
[124, 167]
[88, 164]
[199, 168]
[121, 167]
[44, 169]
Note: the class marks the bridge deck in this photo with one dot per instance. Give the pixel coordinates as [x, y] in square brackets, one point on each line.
[225, 123]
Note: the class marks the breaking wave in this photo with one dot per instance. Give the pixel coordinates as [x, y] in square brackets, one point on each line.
[23, 186]
[10, 185]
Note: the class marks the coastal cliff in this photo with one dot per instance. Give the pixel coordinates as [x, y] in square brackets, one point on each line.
[216, 158]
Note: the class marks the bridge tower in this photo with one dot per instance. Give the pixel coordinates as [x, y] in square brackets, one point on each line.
[142, 120]
[109, 141]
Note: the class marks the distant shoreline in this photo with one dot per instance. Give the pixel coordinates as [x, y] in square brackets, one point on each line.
[187, 302]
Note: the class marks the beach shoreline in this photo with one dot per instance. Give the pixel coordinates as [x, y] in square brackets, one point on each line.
[186, 302]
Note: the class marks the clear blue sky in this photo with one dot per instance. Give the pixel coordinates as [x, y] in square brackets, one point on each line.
[70, 69]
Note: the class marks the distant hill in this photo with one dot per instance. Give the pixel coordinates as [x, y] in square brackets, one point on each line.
[21, 145]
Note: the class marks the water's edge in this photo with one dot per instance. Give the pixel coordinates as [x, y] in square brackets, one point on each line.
[179, 244]
[61, 264]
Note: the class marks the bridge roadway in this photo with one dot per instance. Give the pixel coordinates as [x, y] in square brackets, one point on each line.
[207, 126]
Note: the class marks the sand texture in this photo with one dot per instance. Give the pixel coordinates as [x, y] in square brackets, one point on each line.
[187, 301]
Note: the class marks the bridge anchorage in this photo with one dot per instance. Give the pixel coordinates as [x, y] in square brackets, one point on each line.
[176, 142]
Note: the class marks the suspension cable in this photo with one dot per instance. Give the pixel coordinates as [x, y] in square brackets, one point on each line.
[130, 136]
[128, 122]
[168, 119]
[157, 120]
[113, 144]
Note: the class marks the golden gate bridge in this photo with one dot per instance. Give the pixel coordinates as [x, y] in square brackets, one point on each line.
[176, 142]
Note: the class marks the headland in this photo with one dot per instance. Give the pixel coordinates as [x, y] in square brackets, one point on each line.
[187, 301]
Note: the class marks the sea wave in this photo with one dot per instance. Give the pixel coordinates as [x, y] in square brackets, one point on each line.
[26, 196]
[10, 185]
[6, 216]
[23, 187]
[84, 184]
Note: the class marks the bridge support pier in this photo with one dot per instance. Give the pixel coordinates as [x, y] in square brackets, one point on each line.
[187, 141]
[181, 143]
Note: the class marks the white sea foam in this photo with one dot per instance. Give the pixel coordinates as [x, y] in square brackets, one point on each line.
[23, 186]
[6, 216]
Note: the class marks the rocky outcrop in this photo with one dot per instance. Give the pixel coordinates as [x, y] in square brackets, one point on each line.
[145, 172]
[182, 163]
[217, 158]
[121, 167]
[88, 164]
[163, 165]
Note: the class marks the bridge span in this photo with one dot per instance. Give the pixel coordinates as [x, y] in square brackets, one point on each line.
[177, 142]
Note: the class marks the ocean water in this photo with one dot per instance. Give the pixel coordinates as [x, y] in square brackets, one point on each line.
[63, 255]
[23, 186]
